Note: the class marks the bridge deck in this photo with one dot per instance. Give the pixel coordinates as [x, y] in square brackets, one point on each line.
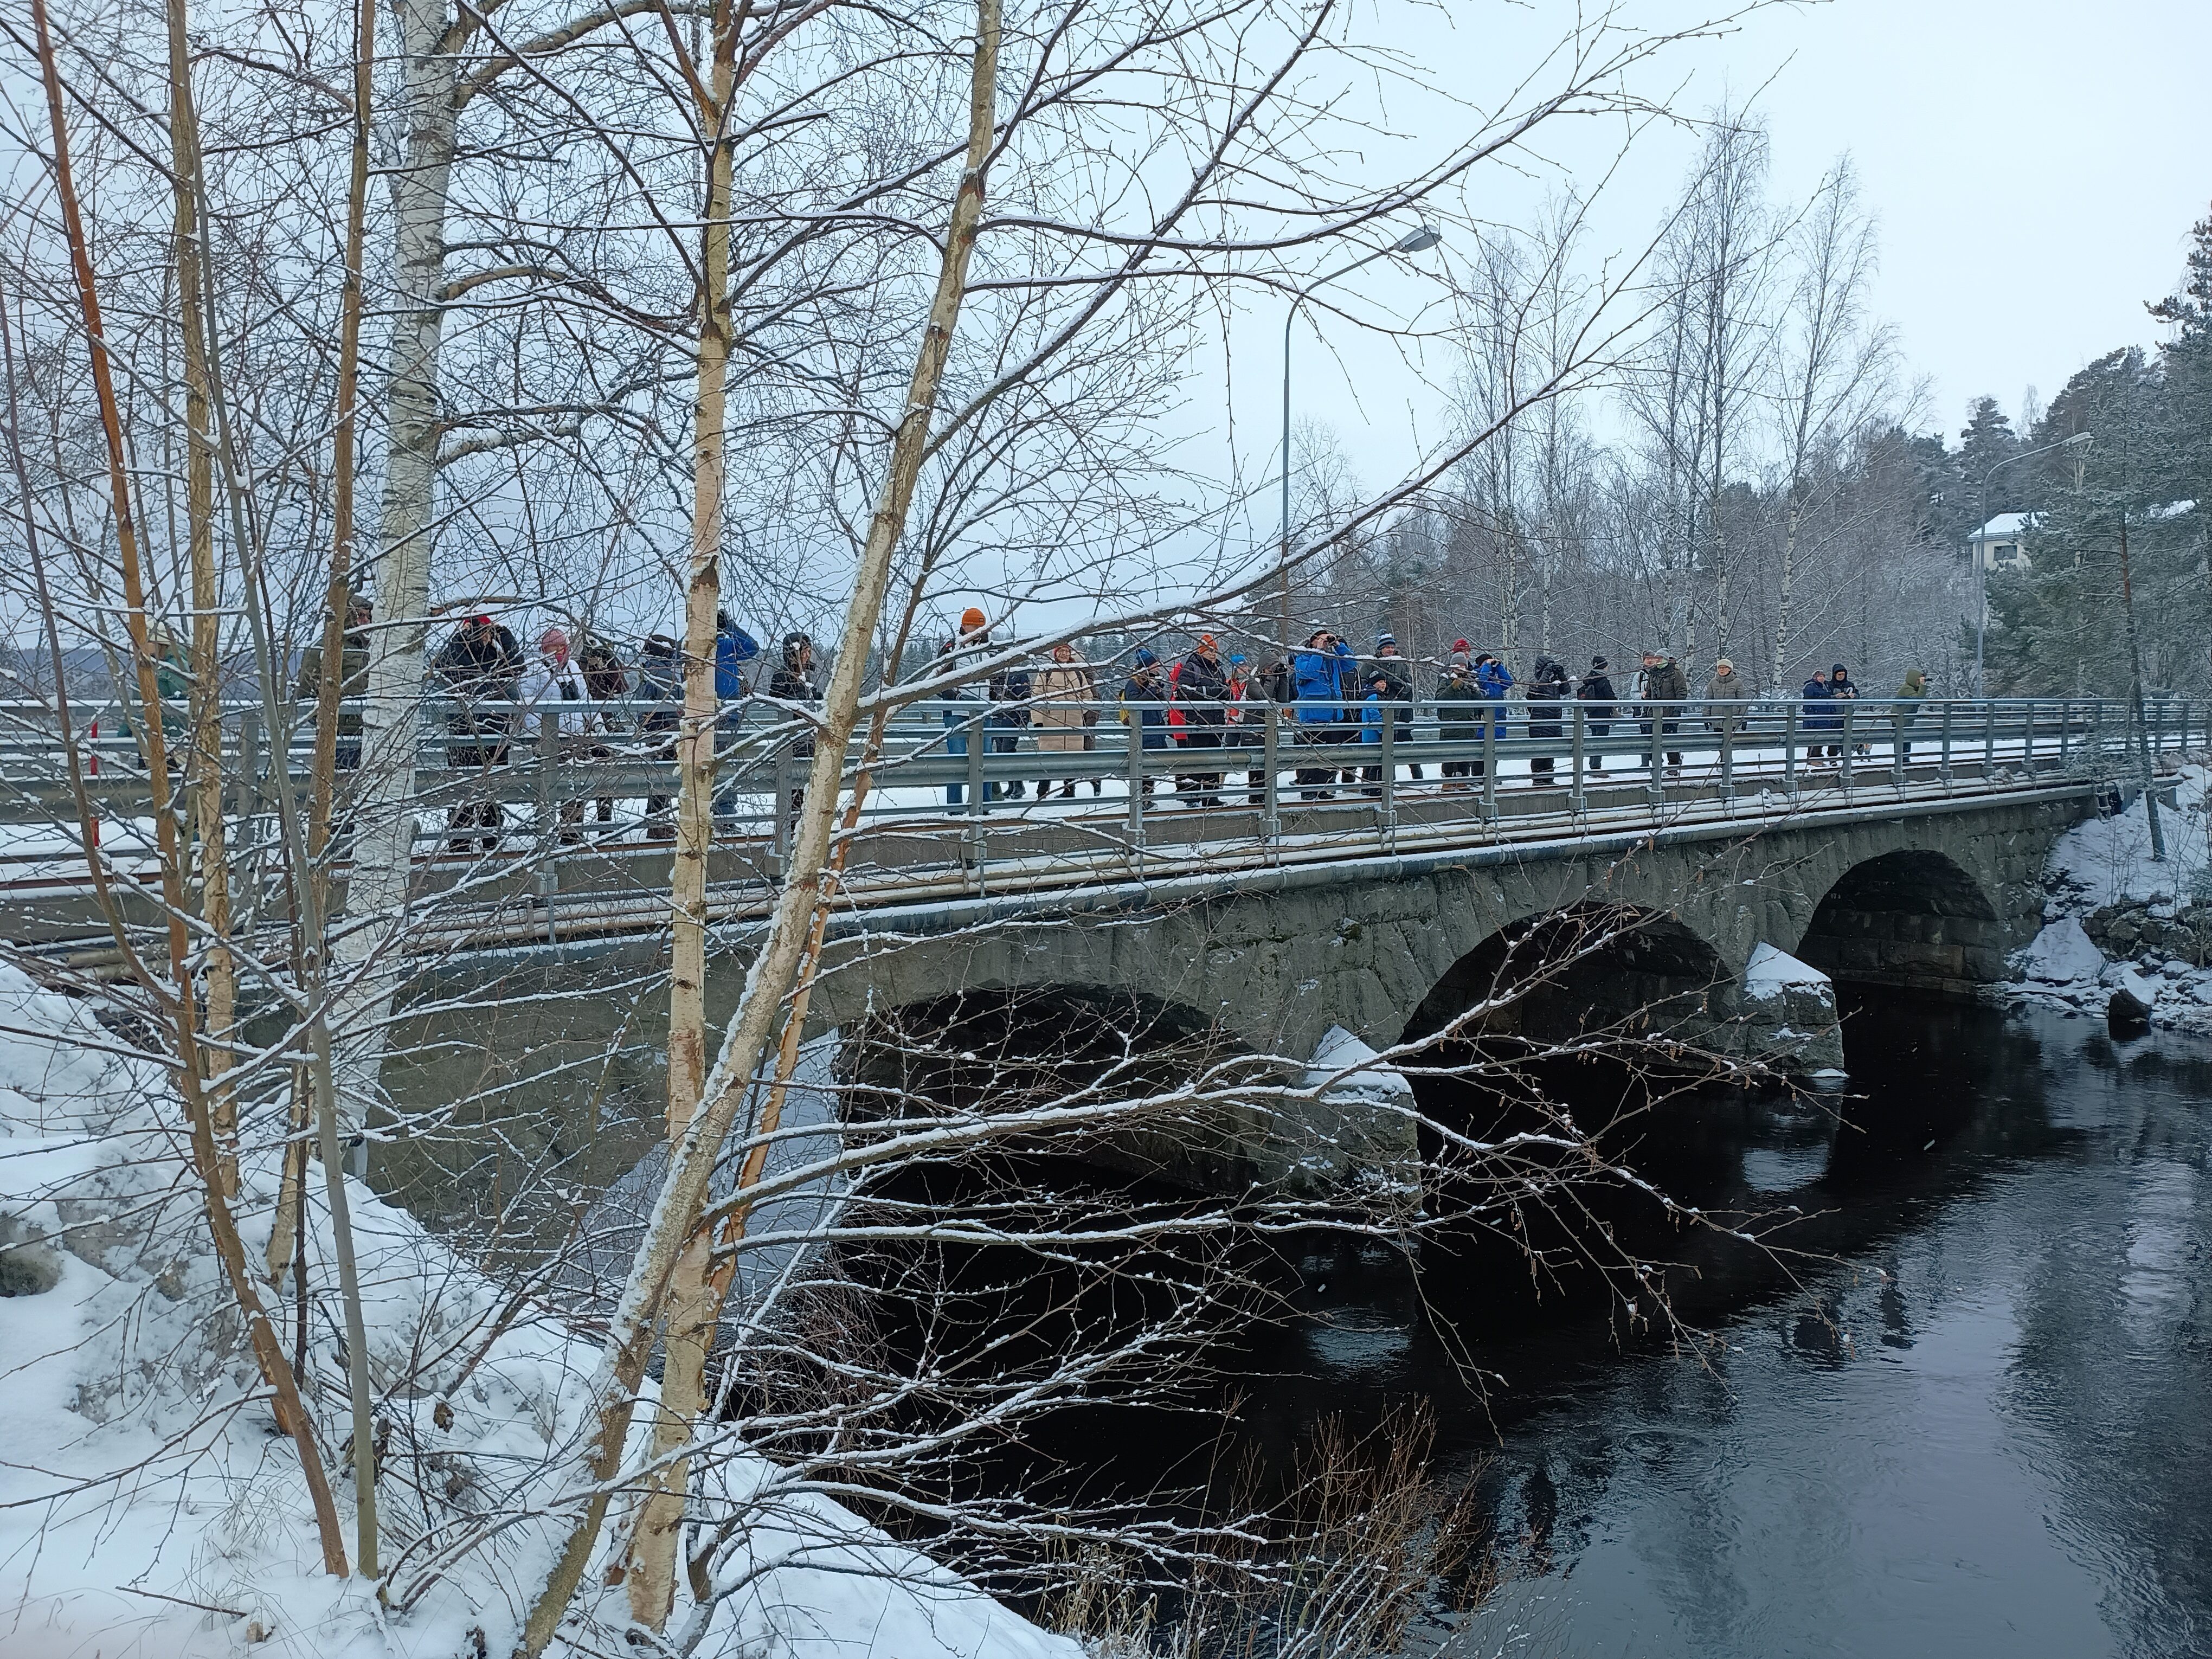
[549, 883]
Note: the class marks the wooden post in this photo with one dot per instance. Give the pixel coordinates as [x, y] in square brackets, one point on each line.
[1850, 732]
[1790, 750]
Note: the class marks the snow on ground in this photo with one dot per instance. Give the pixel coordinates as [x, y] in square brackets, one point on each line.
[148, 1507]
[2108, 862]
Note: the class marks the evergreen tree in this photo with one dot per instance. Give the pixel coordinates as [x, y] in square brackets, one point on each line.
[2060, 626]
[1987, 441]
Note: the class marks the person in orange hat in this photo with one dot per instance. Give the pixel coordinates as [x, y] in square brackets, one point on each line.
[963, 651]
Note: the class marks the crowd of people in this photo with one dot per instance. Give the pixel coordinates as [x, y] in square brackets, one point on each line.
[590, 697]
[1207, 700]
[1338, 710]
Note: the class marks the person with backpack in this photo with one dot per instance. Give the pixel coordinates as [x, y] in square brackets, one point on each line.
[1910, 695]
[1597, 690]
[1843, 688]
[1008, 694]
[1548, 690]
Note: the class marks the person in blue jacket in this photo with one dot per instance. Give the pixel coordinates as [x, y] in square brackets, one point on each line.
[1493, 679]
[733, 649]
[1145, 705]
[1321, 681]
[1820, 714]
[1380, 692]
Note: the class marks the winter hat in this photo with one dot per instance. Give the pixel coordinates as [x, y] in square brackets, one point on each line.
[1724, 665]
[1205, 642]
[1839, 671]
[1381, 640]
[971, 620]
[1461, 647]
[1599, 664]
[1237, 656]
[1144, 659]
[1459, 656]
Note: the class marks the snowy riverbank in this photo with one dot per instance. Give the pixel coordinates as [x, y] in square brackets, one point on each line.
[2112, 913]
[148, 1505]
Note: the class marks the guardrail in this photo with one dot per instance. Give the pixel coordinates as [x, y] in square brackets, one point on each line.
[966, 760]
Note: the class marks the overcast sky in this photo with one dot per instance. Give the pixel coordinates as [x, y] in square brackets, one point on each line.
[2034, 168]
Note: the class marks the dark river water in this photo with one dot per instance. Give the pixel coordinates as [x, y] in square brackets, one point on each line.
[1980, 1425]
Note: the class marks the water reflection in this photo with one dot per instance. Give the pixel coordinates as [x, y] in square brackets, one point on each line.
[1978, 1424]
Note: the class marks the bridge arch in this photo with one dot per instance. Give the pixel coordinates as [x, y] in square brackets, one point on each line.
[1576, 968]
[1003, 1047]
[1914, 918]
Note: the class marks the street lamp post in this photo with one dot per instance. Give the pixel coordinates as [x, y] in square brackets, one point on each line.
[1417, 240]
[1982, 546]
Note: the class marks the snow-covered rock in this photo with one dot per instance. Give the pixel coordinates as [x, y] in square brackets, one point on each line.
[1342, 1066]
[1789, 1013]
[2060, 954]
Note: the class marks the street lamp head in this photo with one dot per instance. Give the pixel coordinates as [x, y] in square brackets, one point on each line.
[2076, 441]
[1419, 240]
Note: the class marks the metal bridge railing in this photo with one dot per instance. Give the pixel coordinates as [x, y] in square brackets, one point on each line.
[948, 762]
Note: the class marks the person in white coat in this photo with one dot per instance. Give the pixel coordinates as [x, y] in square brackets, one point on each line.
[554, 687]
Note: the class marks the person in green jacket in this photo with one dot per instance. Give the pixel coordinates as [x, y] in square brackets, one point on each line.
[1460, 708]
[1910, 695]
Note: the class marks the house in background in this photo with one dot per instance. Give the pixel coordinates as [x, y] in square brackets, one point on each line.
[2002, 543]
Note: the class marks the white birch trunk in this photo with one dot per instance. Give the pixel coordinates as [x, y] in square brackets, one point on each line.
[376, 897]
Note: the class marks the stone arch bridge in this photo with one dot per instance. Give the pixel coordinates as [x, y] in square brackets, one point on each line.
[1929, 893]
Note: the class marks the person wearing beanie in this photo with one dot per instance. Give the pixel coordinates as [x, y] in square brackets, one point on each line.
[1392, 666]
[1143, 705]
[1459, 707]
[1597, 690]
[956, 661]
[479, 665]
[1548, 690]
[1199, 688]
[1843, 688]
[1725, 696]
